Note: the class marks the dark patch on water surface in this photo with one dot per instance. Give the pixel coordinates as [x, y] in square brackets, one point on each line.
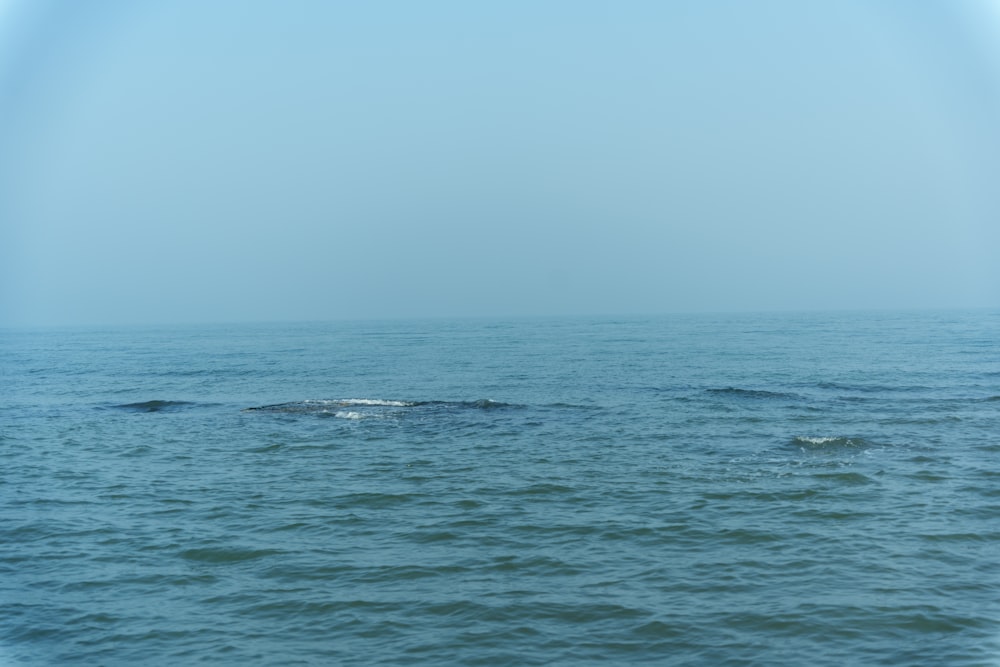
[353, 408]
[736, 392]
[318, 405]
[485, 404]
[324, 406]
[154, 406]
[841, 478]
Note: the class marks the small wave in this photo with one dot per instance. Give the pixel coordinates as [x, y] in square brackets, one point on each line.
[227, 554]
[328, 405]
[871, 388]
[845, 478]
[358, 402]
[371, 401]
[841, 386]
[486, 404]
[332, 406]
[736, 392]
[153, 406]
[265, 449]
[572, 406]
[828, 442]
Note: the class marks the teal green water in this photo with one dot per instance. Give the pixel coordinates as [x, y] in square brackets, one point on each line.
[817, 489]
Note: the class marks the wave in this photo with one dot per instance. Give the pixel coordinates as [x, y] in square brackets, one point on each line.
[153, 406]
[352, 402]
[366, 407]
[329, 405]
[571, 406]
[829, 442]
[736, 392]
[872, 388]
[227, 554]
[485, 404]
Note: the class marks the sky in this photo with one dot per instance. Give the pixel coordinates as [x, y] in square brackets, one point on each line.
[181, 161]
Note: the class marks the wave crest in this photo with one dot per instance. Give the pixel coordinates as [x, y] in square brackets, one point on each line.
[153, 406]
[321, 405]
[356, 408]
[354, 402]
[828, 442]
[736, 392]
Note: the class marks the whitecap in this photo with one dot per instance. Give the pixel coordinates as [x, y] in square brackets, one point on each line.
[816, 441]
[374, 402]
[828, 442]
[350, 402]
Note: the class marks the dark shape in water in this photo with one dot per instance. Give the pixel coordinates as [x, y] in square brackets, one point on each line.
[736, 392]
[486, 404]
[326, 405]
[153, 406]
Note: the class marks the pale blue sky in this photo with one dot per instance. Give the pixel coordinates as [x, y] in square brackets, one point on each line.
[186, 161]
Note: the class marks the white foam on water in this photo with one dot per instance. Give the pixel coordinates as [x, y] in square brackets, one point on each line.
[376, 402]
[346, 402]
[818, 441]
[829, 442]
[348, 414]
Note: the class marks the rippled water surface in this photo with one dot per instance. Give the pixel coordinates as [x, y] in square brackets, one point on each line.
[698, 490]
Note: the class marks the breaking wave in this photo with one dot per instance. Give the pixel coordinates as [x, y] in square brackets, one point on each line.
[329, 405]
[359, 408]
[829, 442]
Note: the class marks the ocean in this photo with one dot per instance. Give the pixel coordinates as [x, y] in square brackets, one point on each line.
[747, 489]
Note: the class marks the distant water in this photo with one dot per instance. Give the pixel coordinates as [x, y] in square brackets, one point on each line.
[817, 489]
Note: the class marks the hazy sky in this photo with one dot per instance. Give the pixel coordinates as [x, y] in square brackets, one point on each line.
[184, 161]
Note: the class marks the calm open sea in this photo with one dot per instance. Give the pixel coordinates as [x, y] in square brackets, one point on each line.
[818, 489]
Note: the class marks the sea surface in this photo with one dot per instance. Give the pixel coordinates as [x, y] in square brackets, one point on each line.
[776, 489]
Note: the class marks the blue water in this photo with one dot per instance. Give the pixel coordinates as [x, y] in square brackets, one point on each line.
[817, 489]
